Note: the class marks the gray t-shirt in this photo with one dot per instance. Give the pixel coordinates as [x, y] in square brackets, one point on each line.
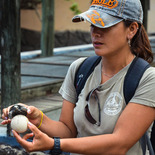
[111, 99]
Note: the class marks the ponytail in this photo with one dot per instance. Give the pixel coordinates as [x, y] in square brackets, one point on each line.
[140, 44]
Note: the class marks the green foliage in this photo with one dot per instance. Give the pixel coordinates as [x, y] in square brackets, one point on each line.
[74, 7]
[31, 4]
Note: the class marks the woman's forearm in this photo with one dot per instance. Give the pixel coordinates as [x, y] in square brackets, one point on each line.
[96, 145]
[55, 128]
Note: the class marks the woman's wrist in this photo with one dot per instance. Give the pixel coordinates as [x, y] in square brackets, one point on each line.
[41, 119]
[56, 148]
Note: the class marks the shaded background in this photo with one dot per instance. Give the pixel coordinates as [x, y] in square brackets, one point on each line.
[66, 32]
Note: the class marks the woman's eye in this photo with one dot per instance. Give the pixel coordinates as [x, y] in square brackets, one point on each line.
[92, 26]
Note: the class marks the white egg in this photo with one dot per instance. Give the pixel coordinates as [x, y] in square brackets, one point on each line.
[19, 123]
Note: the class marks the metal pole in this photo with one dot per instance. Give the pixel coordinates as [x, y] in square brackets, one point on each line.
[47, 35]
[10, 52]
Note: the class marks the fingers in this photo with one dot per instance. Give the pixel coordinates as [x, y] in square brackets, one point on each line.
[31, 109]
[33, 128]
[25, 144]
[5, 113]
[40, 141]
[27, 136]
[30, 146]
[6, 122]
[6, 110]
[17, 136]
[32, 114]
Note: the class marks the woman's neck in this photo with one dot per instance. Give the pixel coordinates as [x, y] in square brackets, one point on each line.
[112, 65]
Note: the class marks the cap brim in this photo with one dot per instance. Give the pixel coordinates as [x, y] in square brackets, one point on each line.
[98, 18]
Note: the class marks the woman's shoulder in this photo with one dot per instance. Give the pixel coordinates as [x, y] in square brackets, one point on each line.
[150, 72]
[149, 75]
[146, 89]
[75, 64]
[78, 61]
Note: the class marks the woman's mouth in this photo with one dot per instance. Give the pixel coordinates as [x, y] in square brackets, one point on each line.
[97, 44]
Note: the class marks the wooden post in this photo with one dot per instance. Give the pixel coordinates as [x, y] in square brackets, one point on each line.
[146, 7]
[47, 35]
[10, 52]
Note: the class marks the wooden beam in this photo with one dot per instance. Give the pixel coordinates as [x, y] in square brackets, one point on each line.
[47, 35]
[10, 52]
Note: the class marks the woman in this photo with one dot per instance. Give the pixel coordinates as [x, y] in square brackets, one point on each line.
[118, 36]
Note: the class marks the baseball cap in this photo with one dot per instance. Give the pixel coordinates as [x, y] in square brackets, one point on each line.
[106, 13]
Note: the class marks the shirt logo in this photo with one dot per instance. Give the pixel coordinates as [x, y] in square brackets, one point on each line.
[95, 18]
[113, 104]
[106, 3]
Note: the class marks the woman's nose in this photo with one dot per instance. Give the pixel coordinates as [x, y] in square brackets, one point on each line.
[96, 32]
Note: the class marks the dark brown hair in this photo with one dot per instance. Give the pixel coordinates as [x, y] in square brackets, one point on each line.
[140, 44]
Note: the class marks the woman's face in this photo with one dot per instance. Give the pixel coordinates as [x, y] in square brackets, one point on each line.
[109, 41]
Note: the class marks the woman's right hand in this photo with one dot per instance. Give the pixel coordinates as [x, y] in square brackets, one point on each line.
[41, 141]
[33, 114]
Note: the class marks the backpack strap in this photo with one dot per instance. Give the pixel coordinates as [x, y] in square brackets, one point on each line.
[132, 78]
[153, 136]
[83, 72]
[134, 74]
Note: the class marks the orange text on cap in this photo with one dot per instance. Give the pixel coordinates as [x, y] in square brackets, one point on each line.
[95, 18]
[106, 3]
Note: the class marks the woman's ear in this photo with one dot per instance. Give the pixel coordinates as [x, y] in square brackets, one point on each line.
[133, 28]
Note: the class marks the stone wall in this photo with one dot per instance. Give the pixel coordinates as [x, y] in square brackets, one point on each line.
[30, 40]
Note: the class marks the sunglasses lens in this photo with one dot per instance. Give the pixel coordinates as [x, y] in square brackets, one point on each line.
[89, 116]
[87, 112]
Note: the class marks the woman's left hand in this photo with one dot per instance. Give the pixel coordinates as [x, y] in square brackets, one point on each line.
[41, 141]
